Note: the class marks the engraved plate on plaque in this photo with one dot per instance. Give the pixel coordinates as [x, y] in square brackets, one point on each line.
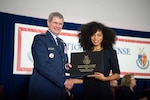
[86, 63]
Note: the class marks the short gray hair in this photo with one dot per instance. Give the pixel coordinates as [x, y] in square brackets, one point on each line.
[55, 14]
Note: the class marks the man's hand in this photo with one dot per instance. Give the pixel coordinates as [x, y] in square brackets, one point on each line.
[68, 84]
[68, 66]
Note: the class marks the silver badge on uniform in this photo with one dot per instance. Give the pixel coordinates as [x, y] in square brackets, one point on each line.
[51, 55]
[51, 48]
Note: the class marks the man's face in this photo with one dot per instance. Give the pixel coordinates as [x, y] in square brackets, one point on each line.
[55, 25]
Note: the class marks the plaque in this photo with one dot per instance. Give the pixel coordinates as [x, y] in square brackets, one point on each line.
[86, 63]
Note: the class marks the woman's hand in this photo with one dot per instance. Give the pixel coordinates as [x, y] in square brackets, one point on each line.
[77, 80]
[98, 75]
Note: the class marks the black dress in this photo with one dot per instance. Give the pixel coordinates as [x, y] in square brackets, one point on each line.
[94, 89]
[125, 93]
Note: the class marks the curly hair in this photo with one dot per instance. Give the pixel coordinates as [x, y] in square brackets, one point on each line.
[88, 29]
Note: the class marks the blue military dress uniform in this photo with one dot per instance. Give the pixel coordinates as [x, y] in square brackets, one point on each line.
[48, 77]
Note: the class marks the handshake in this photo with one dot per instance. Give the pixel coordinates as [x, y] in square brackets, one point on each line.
[69, 85]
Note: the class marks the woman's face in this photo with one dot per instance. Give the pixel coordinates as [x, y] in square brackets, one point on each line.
[97, 38]
[133, 81]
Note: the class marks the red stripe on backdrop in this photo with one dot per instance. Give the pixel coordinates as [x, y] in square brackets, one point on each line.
[136, 74]
[20, 30]
[133, 41]
[68, 34]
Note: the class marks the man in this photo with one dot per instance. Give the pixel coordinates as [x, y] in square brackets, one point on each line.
[48, 80]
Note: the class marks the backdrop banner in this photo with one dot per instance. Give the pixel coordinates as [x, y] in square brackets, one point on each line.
[133, 53]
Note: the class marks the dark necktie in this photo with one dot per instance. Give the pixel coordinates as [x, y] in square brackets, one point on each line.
[58, 42]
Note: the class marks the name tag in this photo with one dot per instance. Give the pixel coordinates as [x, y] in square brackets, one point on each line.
[51, 48]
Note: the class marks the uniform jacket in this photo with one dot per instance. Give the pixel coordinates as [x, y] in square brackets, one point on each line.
[48, 77]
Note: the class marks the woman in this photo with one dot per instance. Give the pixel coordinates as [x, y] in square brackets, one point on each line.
[95, 37]
[128, 90]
